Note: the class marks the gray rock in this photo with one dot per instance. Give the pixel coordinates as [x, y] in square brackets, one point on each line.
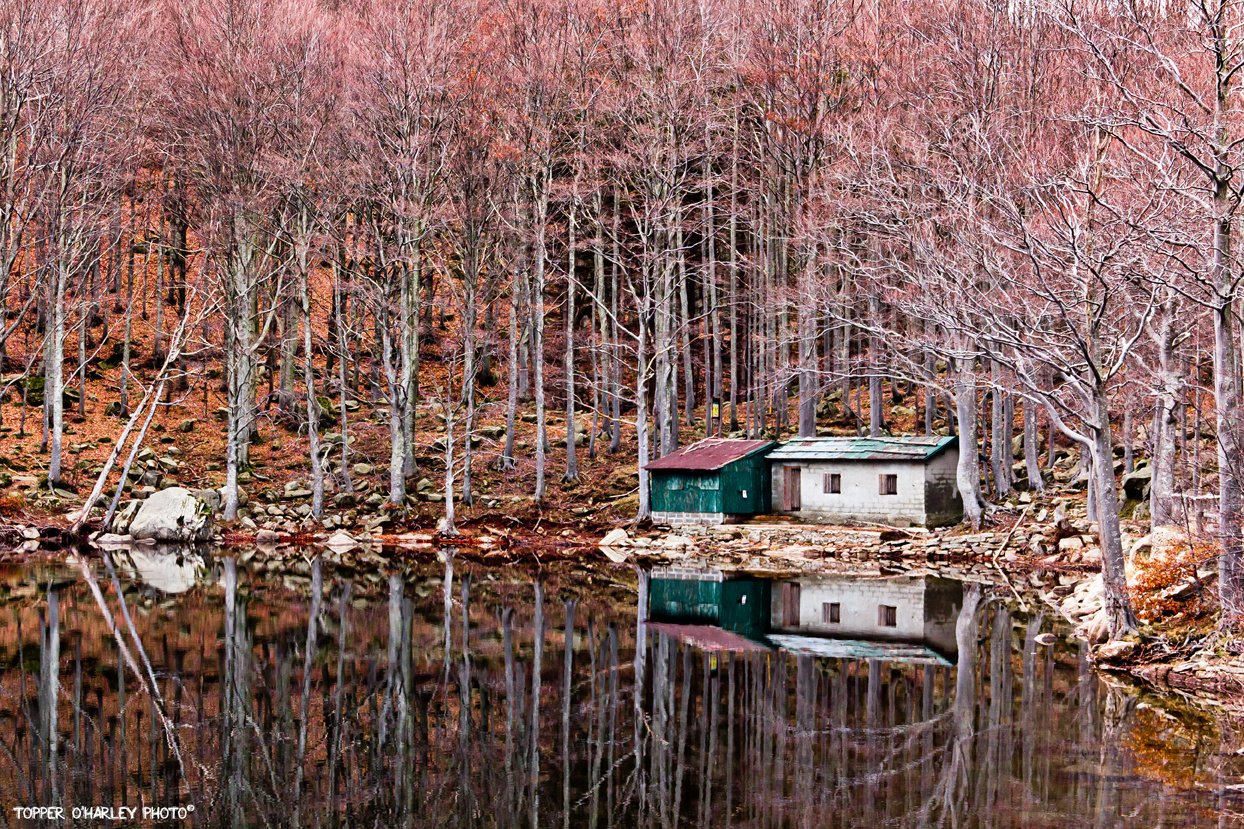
[295, 490]
[615, 538]
[267, 537]
[187, 425]
[243, 498]
[124, 516]
[340, 542]
[172, 514]
[212, 498]
[362, 469]
[1136, 483]
[111, 540]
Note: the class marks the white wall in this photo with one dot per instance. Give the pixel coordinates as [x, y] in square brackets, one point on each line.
[859, 499]
[858, 600]
[941, 475]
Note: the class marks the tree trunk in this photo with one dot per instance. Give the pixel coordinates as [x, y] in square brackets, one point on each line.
[347, 484]
[1165, 421]
[308, 379]
[686, 313]
[1118, 604]
[1032, 459]
[410, 357]
[537, 340]
[1001, 444]
[968, 471]
[615, 339]
[54, 367]
[876, 401]
[641, 417]
[572, 466]
[511, 405]
[807, 350]
[449, 528]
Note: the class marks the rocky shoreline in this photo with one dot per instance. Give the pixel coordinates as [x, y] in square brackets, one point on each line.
[1050, 558]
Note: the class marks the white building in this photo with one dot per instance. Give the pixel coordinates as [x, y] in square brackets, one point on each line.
[911, 609]
[901, 481]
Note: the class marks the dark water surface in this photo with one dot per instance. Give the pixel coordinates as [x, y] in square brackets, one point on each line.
[427, 698]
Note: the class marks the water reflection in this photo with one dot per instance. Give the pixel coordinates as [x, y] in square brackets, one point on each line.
[458, 696]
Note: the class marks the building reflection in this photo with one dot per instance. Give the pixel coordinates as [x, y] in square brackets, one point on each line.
[459, 698]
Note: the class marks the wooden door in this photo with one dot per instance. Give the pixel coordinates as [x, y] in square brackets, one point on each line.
[791, 500]
[790, 605]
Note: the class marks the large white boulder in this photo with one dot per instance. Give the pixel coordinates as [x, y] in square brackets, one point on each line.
[615, 538]
[167, 570]
[172, 514]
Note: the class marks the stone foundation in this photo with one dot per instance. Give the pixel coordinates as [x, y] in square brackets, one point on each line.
[675, 518]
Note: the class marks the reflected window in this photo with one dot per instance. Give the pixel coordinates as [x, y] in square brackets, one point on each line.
[887, 616]
[831, 613]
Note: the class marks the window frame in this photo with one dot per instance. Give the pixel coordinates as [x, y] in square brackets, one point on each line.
[831, 484]
[887, 483]
[887, 616]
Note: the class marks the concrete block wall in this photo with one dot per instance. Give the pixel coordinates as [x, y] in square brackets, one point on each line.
[860, 499]
[859, 602]
[941, 477]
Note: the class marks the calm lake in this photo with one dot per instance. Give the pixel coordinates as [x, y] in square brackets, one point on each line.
[258, 693]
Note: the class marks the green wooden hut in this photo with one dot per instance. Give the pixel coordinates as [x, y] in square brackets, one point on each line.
[714, 481]
[736, 603]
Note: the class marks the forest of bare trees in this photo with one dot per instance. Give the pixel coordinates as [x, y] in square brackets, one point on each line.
[994, 212]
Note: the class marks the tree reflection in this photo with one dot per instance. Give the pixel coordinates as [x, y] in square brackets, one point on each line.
[477, 702]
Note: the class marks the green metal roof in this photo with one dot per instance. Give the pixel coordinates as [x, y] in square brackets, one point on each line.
[862, 449]
[816, 646]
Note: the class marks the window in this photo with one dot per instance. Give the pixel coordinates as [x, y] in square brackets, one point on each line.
[675, 483]
[887, 616]
[887, 485]
[831, 613]
[710, 484]
[833, 483]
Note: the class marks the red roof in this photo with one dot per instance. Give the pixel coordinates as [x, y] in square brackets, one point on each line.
[708, 454]
[708, 637]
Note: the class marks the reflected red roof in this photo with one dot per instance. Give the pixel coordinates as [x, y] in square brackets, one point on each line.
[708, 637]
[709, 454]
